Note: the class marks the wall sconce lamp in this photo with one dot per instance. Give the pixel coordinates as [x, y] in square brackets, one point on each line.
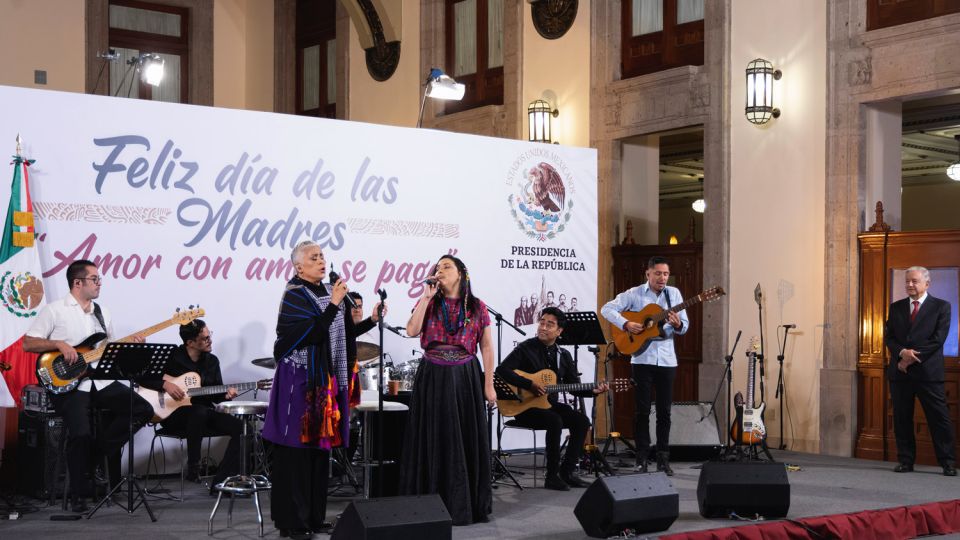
[440, 86]
[539, 114]
[760, 77]
[953, 171]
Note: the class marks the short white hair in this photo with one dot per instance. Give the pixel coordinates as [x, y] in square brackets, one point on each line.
[296, 256]
[923, 272]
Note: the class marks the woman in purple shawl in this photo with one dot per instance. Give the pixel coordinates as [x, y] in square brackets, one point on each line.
[313, 387]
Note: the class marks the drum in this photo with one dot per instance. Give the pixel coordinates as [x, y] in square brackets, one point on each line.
[369, 377]
[409, 374]
[243, 409]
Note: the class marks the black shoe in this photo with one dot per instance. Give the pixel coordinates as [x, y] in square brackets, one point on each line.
[903, 467]
[571, 479]
[949, 470]
[324, 528]
[296, 534]
[663, 463]
[640, 467]
[554, 482]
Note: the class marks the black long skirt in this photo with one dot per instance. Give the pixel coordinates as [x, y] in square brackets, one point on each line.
[447, 442]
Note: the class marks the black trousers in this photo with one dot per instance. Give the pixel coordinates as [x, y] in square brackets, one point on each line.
[76, 408]
[554, 419]
[298, 498]
[660, 380]
[933, 400]
[196, 422]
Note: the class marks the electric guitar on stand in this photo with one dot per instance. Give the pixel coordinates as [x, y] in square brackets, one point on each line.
[750, 417]
[653, 317]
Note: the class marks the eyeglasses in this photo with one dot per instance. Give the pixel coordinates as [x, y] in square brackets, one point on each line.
[96, 280]
[206, 339]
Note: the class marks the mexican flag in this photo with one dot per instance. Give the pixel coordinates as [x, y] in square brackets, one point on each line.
[21, 288]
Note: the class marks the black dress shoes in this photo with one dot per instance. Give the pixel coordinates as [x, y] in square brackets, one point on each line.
[79, 505]
[572, 480]
[949, 470]
[555, 483]
[296, 534]
[903, 467]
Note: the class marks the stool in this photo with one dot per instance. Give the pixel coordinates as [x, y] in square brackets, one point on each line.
[160, 432]
[242, 484]
[369, 408]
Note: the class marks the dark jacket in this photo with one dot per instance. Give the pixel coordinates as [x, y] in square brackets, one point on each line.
[926, 335]
[531, 356]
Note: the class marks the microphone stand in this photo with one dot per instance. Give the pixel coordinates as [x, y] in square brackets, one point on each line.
[498, 469]
[780, 388]
[380, 325]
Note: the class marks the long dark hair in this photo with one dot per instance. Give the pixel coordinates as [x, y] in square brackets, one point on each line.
[470, 302]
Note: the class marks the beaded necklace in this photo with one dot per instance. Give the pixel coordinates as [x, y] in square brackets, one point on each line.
[447, 325]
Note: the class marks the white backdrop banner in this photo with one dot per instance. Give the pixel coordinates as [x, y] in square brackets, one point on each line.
[182, 205]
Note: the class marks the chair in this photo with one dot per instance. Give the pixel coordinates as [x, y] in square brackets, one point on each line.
[160, 432]
[512, 424]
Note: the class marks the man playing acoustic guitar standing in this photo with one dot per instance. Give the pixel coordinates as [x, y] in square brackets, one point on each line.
[540, 353]
[656, 364]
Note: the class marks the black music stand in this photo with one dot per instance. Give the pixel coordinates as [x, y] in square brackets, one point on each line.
[131, 361]
[498, 469]
[583, 328]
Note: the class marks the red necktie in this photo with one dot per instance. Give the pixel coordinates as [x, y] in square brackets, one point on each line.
[916, 308]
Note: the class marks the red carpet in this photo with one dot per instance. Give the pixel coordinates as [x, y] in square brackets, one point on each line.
[900, 522]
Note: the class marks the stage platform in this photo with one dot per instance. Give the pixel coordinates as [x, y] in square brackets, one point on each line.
[822, 485]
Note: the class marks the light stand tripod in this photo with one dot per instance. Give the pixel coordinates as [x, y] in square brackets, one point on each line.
[780, 389]
[612, 435]
[497, 469]
[130, 361]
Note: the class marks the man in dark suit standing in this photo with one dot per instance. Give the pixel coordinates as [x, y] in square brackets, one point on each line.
[915, 332]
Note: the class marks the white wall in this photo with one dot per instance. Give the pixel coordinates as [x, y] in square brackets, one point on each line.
[777, 204]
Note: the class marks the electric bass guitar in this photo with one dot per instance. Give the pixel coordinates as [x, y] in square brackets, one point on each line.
[513, 400]
[164, 405]
[653, 317]
[748, 415]
[59, 376]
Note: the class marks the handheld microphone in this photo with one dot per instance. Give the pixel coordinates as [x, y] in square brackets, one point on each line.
[334, 277]
[429, 281]
[788, 326]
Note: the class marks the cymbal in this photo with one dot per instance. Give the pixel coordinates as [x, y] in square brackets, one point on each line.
[267, 362]
[367, 351]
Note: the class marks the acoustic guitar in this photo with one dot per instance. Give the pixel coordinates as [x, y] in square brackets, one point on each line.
[59, 376]
[513, 400]
[653, 317]
[748, 415]
[164, 405]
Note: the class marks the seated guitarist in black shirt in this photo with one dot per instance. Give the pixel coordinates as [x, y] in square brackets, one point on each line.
[199, 419]
[540, 353]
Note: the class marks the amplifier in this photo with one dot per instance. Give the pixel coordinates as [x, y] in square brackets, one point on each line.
[35, 398]
[38, 445]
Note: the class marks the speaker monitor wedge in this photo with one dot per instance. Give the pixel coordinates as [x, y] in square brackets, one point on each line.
[642, 502]
[746, 488]
[423, 517]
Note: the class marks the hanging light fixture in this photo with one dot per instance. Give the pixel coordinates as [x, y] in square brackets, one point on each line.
[539, 115]
[699, 205]
[760, 77]
[953, 171]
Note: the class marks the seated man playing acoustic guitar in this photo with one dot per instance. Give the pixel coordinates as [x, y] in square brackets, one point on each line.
[540, 353]
[199, 419]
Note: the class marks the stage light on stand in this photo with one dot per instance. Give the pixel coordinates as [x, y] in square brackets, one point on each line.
[539, 116]
[440, 86]
[151, 70]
